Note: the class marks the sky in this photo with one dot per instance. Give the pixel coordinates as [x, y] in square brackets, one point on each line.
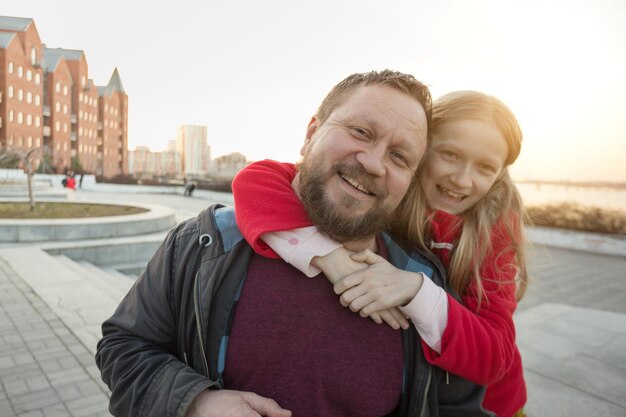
[254, 72]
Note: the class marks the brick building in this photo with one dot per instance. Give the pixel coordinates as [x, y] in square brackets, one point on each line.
[48, 101]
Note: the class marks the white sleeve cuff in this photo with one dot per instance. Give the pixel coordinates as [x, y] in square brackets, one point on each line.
[299, 246]
[429, 313]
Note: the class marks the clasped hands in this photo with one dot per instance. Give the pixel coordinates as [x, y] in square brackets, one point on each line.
[368, 284]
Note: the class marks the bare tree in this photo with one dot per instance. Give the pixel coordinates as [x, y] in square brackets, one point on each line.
[9, 158]
[29, 173]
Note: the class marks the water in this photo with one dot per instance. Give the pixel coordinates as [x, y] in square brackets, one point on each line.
[535, 194]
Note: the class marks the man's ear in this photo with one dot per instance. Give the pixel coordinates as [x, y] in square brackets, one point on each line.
[310, 130]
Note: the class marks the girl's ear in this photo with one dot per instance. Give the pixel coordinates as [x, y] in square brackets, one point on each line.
[310, 130]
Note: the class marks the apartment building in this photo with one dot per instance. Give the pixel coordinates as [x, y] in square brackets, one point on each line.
[191, 144]
[21, 85]
[49, 103]
[144, 163]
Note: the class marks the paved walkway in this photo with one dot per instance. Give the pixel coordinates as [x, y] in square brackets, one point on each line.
[44, 369]
[571, 331]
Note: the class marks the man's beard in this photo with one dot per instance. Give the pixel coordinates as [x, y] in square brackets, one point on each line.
[328, 218]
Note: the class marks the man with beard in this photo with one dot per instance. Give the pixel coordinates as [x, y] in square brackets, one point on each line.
[212, 329]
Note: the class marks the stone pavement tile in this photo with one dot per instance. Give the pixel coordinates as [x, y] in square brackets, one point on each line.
[6, 362]
[57, 410]
[20, 372]
[64, 376]
[50, 365]
[89, 405]
[5, 409]
[34, 413]
[90, 387]
[16, 387]
[36, 383]
[575, 278]
[614, 353]
[34, 400]
[581, 349]
[550, 398]
[580, 371]
[69, 391]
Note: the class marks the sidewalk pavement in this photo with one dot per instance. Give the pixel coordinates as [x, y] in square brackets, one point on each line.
[571, 332]
[44, 369]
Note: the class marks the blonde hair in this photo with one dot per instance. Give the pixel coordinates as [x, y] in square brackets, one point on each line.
[501, 207]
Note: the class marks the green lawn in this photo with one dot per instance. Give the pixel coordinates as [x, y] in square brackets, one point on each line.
[63, 210]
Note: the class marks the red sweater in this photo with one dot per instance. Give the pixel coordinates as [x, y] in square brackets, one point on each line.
[478, 345]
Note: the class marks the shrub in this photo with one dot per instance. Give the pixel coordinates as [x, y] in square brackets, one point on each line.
[578, 217]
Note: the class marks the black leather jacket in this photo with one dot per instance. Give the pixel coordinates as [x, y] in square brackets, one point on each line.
[161, 347]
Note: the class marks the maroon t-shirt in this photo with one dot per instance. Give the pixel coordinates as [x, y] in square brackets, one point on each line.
[292, 341]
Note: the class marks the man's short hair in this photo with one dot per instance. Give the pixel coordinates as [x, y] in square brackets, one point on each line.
[394, 79]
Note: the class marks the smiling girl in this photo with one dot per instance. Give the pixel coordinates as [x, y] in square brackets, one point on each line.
[464, 207]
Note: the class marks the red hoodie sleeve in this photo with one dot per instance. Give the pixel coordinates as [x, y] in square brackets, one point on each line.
[265, 202]
[479, 343]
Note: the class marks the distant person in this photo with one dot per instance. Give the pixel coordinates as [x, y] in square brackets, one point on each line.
[80, 181]
[192, 187]
[71, 182]
[465, 184]
[212, 329]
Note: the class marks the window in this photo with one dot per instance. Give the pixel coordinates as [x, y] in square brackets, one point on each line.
[65, 146]
[57, 87]
[37, 78]
[20, 117]
[38, 142]
[57, 107]
[80, 96]
[65, 127]
[20, 94]
[83, 81]
[65, 109]
[10, 115]
[10, 91]
[10, 68]
[29, 119]
[37, 100]
[33, 56]
[20, 71]
[29, 75]
[37, 121]
[29, 142]
[11, 141]
[29, 97]
[64, 90]
[57, 126]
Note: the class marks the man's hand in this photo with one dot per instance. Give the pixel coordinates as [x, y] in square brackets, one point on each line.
[229, 403]
[380, 286]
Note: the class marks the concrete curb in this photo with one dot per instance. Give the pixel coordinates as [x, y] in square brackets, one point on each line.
[598, 243]
[156, 219]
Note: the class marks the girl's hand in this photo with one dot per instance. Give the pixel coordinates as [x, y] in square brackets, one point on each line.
[339, 264]
[381, 286]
